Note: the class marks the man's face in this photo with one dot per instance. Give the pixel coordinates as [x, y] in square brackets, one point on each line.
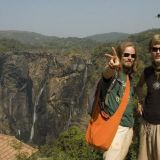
[128, 57]
[155, 53]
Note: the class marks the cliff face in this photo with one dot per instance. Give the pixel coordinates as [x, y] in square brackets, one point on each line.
[40, 94]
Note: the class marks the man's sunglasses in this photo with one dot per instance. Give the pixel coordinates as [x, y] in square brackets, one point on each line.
[155, 49]
[128, 54]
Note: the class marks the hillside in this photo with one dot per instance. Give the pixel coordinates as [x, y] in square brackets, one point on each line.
[41, 41]
[32, 37]
[109, 37]
[25, 37]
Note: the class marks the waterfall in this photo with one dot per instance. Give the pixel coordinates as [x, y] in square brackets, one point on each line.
[84, 83]
[38, 98]
[85, 77]
[35, 113]
[78, 99]
[19, 133]
[70, 113]
[11, 97]
[54, 60]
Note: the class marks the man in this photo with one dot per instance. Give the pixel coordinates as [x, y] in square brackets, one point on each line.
[149, 148]
[122, 62]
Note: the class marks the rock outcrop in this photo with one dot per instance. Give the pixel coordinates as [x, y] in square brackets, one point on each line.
[41, 94]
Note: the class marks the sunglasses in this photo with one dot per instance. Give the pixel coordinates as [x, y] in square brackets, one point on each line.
[128, 54]
[155, 49]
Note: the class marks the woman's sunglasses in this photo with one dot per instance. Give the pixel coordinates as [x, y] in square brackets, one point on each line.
[128, 54]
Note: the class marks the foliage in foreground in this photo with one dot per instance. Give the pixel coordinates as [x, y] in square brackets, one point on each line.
[71, 145]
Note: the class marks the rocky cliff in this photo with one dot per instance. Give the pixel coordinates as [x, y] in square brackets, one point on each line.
[41, 94]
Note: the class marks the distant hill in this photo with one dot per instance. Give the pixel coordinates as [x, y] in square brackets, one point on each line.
[25, 37]
[89, 42]
[109, 37]
[38, 40]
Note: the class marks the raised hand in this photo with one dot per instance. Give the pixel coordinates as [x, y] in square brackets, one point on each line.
[113, 60]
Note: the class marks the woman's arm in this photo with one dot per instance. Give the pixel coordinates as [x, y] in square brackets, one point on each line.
[139, 92]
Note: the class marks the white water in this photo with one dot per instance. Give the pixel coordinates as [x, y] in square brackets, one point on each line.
[84, 83]
[72, 103]
[10, 104]
[70, 113]
[34, 112]
[54, 60]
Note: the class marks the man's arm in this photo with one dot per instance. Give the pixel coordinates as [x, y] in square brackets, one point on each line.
[108, 72]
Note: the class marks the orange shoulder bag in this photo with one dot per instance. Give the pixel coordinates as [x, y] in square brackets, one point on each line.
[101, 131]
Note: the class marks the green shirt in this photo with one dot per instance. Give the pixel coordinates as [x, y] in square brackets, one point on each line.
[114, 101]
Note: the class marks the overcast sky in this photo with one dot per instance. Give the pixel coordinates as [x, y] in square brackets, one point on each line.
[79, 18]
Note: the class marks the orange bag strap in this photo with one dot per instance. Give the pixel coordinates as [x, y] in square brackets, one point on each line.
[124, 100]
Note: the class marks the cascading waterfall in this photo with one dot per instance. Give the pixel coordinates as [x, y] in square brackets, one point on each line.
[34, 111]
[72, 103]
[38, 98]
[84, 84]
[10, 103]
[70, 113]
[54, 60]
[85, 77]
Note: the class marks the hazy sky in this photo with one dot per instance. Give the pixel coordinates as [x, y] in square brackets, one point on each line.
[79, 18]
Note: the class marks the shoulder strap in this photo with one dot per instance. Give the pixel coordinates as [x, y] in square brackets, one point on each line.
[125, 99]
[105, 96]
[123, 103]
[96, 94]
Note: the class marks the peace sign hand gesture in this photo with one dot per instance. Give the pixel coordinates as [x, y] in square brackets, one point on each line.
[113, 60]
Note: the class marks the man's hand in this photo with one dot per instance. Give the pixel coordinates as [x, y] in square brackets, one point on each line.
[113, 60]
[140, 108]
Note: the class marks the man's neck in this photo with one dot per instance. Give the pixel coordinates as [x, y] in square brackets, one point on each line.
[156, 66]
[126, 70]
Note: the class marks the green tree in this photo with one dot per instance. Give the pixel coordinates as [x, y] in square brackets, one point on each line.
[71, 145]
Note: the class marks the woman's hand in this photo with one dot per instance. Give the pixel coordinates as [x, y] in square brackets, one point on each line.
[140, 108]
